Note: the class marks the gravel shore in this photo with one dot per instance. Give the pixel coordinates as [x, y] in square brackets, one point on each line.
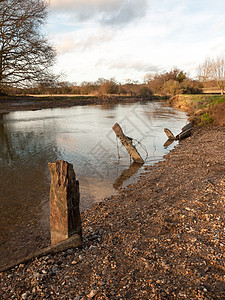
[161, 238]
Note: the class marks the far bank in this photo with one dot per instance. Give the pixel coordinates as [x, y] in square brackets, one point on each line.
[24, 103]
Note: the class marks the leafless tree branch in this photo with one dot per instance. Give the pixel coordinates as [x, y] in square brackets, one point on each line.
[25, 54]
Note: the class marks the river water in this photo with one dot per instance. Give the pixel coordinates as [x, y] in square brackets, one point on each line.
[81, 135]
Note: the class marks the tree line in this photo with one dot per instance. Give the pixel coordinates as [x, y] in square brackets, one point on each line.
[26, 58]
[165, 83]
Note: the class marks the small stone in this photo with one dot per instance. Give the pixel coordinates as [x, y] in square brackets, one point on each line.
[53, 272]
[92, 294]
[70, 251]
[24, 296]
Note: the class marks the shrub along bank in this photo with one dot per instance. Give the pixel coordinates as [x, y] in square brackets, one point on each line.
[203, 109]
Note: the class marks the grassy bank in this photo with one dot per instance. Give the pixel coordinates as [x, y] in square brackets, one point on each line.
[203, 109]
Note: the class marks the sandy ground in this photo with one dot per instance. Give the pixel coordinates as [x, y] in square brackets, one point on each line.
[161, 238]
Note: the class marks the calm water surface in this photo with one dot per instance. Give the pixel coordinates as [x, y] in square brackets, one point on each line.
[81, 135]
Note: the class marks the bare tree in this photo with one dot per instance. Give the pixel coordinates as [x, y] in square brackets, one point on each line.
[218, 72]
[204, 70]
[25, 54]
[213, 70]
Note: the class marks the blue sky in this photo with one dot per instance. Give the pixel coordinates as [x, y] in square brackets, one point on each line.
[127, 39]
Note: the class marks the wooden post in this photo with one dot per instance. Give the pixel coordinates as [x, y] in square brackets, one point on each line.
[65, 218]
[127, 144]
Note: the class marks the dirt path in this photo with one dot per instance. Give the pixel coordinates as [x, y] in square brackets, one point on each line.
[161, 238]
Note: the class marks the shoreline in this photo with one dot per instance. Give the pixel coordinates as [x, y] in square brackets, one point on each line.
[26, 103]
[160, 238]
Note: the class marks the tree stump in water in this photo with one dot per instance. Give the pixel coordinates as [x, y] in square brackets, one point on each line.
[65, 218]
[127, 143]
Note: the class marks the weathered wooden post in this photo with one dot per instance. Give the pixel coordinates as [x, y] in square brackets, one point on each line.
[127, 142]
[65, 219]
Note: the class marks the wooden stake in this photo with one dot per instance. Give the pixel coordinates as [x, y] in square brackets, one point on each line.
[127, 143]
[65, 218]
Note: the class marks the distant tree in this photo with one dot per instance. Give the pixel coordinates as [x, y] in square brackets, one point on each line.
[190, 86]
[181, 76]
[213, 70]
[25, 54]
[218, 72]
[145, 92]
[171, 87]
[88, 88]
[204, 70]
[159, 82]
[171, 83]
[109, 87]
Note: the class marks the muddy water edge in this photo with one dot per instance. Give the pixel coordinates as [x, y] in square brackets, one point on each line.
[81, 135]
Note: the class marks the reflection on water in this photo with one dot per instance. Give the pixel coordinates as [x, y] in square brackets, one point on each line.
[168, 143]
[126, 174]
[82, 136]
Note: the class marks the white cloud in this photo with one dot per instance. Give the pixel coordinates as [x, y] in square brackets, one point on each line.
[158, 36]
[85, 4]
[67, 45]
[85, 39]
[108, 12]
[139, 66]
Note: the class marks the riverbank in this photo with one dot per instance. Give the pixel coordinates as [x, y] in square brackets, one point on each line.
[161, 238]
[203, 109]
[24, 103]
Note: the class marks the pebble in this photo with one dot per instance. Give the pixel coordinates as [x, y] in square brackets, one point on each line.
[70, 251]
[24, 296]
[92, 294]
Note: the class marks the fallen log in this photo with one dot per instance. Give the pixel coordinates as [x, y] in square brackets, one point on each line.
[186, 132]
[169, 134]
[188, 126]
[127, 143]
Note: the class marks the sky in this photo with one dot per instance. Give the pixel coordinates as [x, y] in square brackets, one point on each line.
[128, 39]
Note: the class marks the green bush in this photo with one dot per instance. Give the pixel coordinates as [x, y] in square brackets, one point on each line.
[206, 119]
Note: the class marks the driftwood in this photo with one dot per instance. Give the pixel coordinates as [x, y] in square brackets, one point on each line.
[188, 126]
[127, 143]
[169, 134]
[186, 132]
[72, 242]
